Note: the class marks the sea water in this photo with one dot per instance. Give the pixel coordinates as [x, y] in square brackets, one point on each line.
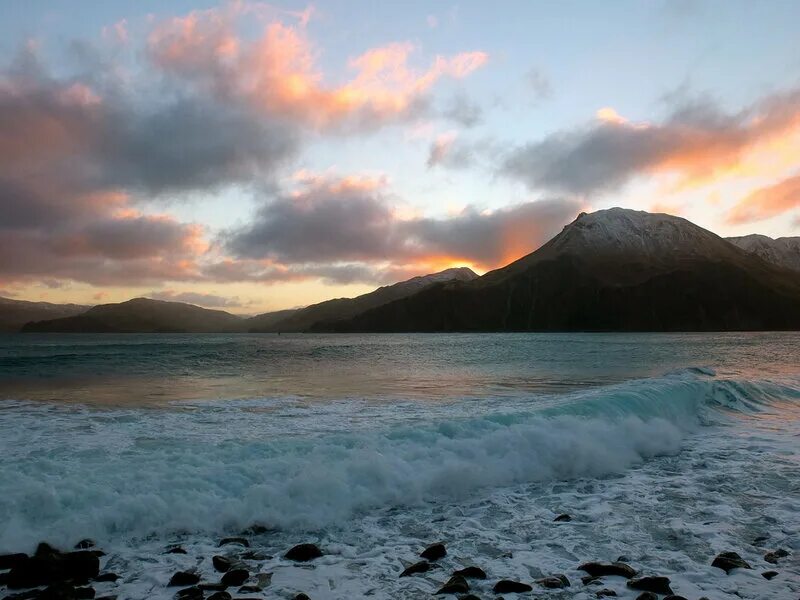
[666, 449]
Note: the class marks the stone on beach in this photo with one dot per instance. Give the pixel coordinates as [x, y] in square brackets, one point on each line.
[434, 552]
[235, 577]
[422, 566]
[772, 557]
[728, 561]
[554, 582]
[507, 586]
[49, 566]
[455, 585]
[598, 569]
[221, 564]
[303, 553]
[563, 518]
[182, 578]
[769, 574]
[655, 584]
[471, 573]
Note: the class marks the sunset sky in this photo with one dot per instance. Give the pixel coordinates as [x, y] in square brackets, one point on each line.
[255, 156]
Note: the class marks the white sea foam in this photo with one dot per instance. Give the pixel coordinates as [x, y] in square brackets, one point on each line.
[374, 481]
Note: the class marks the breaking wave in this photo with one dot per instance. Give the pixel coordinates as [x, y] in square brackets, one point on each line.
[73, 472]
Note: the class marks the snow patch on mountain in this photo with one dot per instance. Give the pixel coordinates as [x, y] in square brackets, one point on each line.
[784, 251]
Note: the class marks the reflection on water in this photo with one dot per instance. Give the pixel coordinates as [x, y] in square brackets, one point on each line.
[147, 370]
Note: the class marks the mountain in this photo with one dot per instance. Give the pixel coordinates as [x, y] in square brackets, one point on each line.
[338, 309]
[612, 270]
[265, 321]
[15, 313]
[142, 315]
[783, 251]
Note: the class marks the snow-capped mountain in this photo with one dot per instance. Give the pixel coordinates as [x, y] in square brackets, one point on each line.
[611, 270]
[783, 251]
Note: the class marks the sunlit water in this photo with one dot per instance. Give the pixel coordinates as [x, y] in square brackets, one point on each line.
[664, 448]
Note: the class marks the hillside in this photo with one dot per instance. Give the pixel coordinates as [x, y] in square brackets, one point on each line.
[142, 315]
[15, 313]
[612, 270]
[344, 308]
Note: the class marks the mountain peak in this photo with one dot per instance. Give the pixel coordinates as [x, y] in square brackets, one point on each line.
[784, 251]
[626, 231]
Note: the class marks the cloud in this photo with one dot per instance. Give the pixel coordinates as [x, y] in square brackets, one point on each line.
[336, 220]
[696, 143]
[276, 73]
[198, 298]
[767, 202]
[453, 152]
[463, 111]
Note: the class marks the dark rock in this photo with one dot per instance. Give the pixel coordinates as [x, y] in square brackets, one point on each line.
[469, 597]
[657, 585]
[48, 566]
[45, 549]
[562, 518]
[623, 559]
[590, 580]
[422, 566]
[674, 597]
[107, 577]
[506, 586]
[235, 577]
[647, 596]
[175, 550]
[85, 544]
[190, 593]
[182, 578]
[304, 552]
[212, 587]
[9, 561]
[301, 596]
[597, 569]
[471, 573]
[772, 557]
[249, 589]
[220, 596]
[84, 593]
[606, 593]
[769, 574]
[728, 561]
[455, 585]
[221, 563]
[434, 552]
[554, 582]
[234, 540]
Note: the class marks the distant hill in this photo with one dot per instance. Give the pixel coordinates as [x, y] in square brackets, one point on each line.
[783, 251]
[15, 313]
[612, 270]
[344, 308]
[142, 315]
[265, 321]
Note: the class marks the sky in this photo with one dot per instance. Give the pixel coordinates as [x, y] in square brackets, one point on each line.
[257, 156]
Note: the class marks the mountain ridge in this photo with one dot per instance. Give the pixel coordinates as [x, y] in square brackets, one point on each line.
[680, 278]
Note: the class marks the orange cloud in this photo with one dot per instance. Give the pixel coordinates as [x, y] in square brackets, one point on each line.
[277, 72]
[767, 202]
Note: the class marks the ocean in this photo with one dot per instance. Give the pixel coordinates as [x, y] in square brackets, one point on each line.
[666, 449]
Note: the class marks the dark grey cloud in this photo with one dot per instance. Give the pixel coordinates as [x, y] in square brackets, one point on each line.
[336, 223]
[694, 141]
